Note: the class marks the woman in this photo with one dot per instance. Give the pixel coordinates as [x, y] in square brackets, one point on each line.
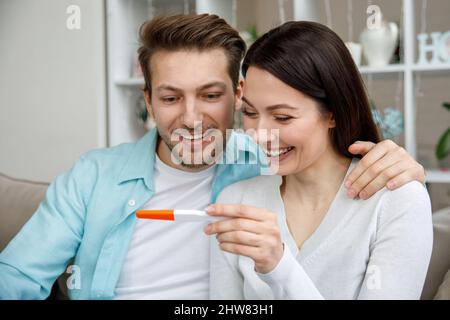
[296, 235]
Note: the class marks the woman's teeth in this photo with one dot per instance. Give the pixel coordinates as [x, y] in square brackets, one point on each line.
[277, 153]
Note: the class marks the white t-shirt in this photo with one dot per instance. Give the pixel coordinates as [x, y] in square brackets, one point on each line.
[168, 259]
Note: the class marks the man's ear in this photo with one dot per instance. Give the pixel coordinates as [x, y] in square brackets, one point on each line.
[148, 103]
[239, 94]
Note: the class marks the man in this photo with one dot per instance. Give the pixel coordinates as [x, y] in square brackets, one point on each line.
[191, 69]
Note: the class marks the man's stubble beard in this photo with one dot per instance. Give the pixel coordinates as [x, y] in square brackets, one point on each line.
[212, 155]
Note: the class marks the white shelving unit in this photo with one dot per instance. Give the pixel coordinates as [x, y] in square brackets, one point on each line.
[438, 176]
[409, 68]
[123, 20]
[395, 68]
[125, 16]
[130, 82]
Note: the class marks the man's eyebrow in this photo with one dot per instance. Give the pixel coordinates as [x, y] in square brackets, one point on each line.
[271, 108]
[222, 85]
[168, 87]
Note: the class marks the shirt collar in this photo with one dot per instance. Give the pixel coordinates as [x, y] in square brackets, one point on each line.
[141, 162]
[240, 149]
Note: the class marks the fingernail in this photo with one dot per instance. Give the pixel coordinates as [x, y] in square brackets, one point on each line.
[348, 184]
[351, 193]
[363, 195]
[208, 229]
[209, 209]
[391, 184]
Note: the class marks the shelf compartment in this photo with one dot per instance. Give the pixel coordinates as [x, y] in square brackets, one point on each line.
[392, 68]
[438, 176]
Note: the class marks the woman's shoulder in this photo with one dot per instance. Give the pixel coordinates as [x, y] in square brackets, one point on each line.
[407, 205]
[411, 193]
[409, 202]
[256, 186]
[408, 190]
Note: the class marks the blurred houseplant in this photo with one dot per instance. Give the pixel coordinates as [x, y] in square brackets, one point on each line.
[249, 35]
[443, 146]
[141, 112]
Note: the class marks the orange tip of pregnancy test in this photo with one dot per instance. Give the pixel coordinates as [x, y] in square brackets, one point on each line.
[176, 215]
[156, 214]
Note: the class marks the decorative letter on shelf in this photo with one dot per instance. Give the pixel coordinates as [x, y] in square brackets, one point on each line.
[439, 47]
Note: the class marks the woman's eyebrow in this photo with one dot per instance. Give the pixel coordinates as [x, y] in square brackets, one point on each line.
[247, 102]
[271, 108]
[280, 106]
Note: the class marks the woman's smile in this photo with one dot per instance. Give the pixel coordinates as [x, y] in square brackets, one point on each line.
[279, 155]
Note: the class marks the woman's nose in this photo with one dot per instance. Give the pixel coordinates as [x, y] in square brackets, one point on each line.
[267, 136]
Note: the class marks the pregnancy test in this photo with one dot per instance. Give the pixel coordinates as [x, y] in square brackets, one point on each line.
[176, 215]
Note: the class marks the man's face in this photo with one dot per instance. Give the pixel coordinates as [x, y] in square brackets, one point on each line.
[192, 100]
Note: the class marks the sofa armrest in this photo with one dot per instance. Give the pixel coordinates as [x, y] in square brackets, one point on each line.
[19, 199]
[444, 289]
[440, 258]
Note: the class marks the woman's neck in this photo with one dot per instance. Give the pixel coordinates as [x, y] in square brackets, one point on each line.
[316, 186]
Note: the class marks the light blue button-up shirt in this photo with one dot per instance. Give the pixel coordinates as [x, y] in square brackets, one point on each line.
[88, 215]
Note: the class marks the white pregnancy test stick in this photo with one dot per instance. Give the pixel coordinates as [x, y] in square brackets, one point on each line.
[176, 215]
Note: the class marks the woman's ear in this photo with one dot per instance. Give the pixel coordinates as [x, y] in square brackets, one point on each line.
[331, 122]
[148, 102]
[239, 94]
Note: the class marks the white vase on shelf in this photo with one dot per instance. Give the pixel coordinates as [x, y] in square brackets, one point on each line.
[356, 51]
[379, 44]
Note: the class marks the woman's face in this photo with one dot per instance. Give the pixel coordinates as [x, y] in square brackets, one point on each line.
[303, 129]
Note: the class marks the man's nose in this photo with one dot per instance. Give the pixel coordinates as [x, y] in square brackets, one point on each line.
[192, 115]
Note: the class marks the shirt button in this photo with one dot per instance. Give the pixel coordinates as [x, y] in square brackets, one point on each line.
[131, 203]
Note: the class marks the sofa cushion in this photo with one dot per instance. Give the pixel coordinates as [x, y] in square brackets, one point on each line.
[19, 199]
[440, 258]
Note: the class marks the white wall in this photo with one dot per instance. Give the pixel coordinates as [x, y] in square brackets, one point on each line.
[52, 86]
